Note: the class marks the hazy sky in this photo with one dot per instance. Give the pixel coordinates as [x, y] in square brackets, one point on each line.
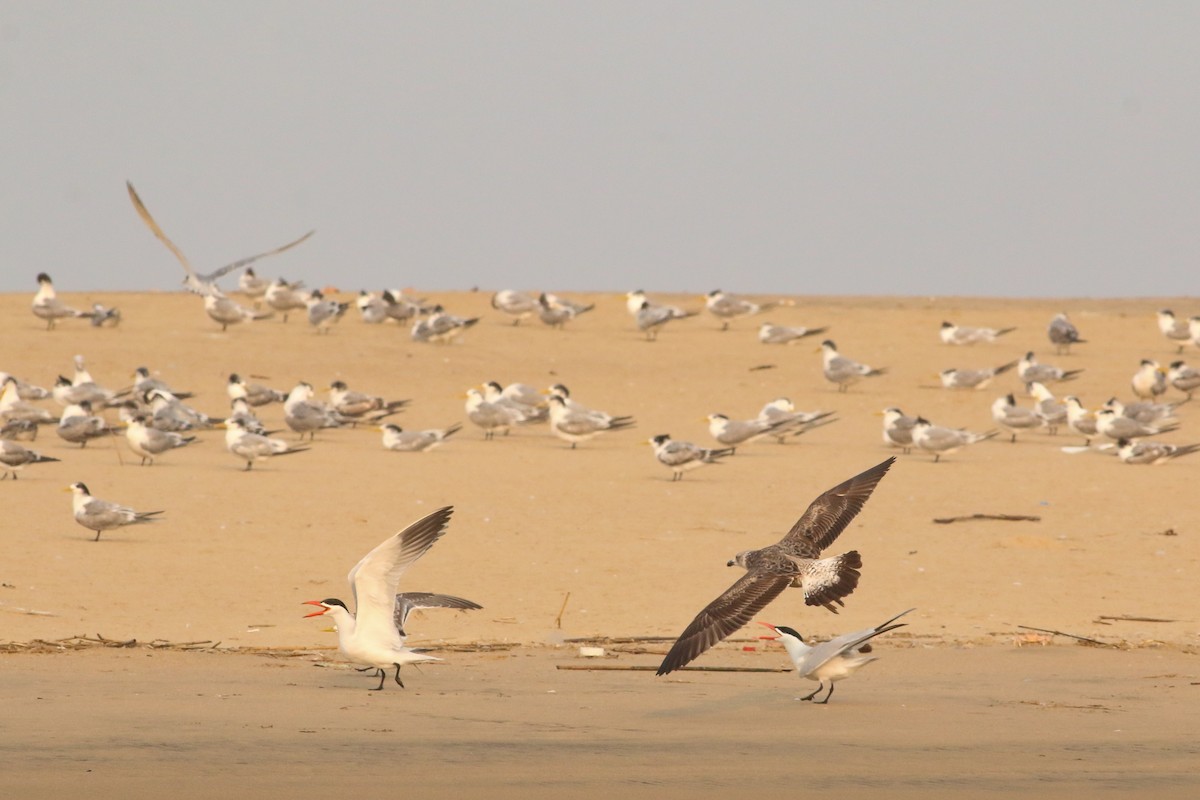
[921, 148]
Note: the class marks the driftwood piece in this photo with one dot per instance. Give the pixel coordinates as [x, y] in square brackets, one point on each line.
[1001, 517]
[648, 668]
[1070, 635]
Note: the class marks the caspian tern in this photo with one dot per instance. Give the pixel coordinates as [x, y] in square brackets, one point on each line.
[831, 661]
[372, 634]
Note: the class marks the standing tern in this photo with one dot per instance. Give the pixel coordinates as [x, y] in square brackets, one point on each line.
[252, 286]
[517, 305]
[286, 297]
[1013, 418]
[650, 318]
[440, 326]
[14, 409]
[79, 425]
[1176, 330]
[783, 334]
[251, 447]
[782, 409]
[253, 393]
[1062, 334]
[1184, 378]
[18, 430]
[1131, 452]
[493, 418]
[1149, 381]
[795, 560]
[727, 307]
[400, 440]
[360, 407]
[1080, 420]
[371, 635]
[939, 440]
[1051, 412]
[961, 334]
[321, 312]
[1030, 371]
[14, 457]
[304, 415]
[47, 306]
[149, 442]
[835, 659]
[579, 426]
[972, 378]
[556, 312]
[1117, 426]
[735, 432]
[841, 371]
[898, 429]
[681, 457]
[100, 515]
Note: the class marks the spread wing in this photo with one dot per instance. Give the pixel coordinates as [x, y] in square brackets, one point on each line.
[407, 601]
[720, 618]
[244, 262]
[374, 579]
[193, 281]
[830, 513]
[821, 654]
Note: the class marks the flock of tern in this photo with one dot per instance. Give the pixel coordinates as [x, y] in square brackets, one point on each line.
[154, 421]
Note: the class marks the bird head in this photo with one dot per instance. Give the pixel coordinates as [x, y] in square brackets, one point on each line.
[326, 605]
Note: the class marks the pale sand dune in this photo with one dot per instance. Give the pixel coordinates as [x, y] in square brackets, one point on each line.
[235, 553]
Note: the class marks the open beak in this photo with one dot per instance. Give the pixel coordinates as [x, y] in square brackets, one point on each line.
[773, 630]
[314, 603]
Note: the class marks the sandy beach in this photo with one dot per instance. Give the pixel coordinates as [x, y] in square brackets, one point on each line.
[598, 543]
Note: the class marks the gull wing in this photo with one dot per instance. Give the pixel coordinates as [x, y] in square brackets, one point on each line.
[734, 608]
[830, 513]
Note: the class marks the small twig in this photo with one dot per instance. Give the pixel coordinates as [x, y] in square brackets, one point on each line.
[1071, 635]
[1127, 618]
[762, 367]
[561, 611]
[647, 668]
[1001, 517]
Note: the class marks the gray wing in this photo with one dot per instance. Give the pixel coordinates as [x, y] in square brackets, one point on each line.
[245, 262]
[830, 513]
[193, 281]
[723, 616]
[407, 601]
[822, 653]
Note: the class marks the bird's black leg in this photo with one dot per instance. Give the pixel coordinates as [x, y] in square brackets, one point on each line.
[382, 675]
[820, 686]
[97, 537]
[826, 700]
[400, 682]
[365, 669]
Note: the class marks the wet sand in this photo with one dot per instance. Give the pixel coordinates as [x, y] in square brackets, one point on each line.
[953, 706]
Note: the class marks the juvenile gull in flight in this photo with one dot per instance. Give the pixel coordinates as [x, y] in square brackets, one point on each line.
[795, 560]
